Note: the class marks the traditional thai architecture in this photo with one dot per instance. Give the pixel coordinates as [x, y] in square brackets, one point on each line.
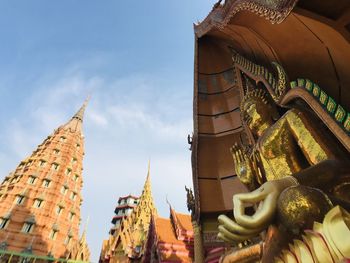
[271, 79]
[126, 205]
[170, 239]
[40, 200]
[127, 242]
[124, 208]
[80, 251]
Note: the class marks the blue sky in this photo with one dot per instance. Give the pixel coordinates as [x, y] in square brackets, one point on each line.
[135, 58]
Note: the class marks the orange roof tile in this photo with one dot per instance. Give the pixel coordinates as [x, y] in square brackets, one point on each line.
[165, 231]
[170, 248]
[184, 221]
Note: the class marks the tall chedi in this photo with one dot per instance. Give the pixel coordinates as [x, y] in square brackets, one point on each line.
[40, 200]
[128, 242]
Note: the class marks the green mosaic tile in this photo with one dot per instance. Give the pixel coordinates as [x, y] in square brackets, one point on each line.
[301, 82]
[340, 114]
[293, 84]
[309, 85]
[323, 98]
[316, 90]
[331, 105]
[347, 123]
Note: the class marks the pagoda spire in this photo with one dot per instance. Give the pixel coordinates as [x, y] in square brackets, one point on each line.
[148, 178]
[146, 196]
[80, 113]
[75, 123]
[149, 168]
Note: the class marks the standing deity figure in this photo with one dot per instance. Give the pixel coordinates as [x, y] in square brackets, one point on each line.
[295, 171]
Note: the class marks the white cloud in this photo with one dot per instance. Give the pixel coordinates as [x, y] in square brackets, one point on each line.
[134, 118]
[20, 137]
[97, 118]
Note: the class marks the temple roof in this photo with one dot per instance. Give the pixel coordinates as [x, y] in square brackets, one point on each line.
[166, 227]
[166, 234]
[184, 221]
[165, 231]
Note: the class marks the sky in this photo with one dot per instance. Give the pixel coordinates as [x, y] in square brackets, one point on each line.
[135, 59]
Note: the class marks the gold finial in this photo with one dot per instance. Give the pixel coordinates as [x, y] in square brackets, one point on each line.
[148, 170]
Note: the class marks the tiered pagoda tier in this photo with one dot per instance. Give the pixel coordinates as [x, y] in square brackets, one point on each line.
[126, 205]
[128, 242]
[170, 239]
[40, 200]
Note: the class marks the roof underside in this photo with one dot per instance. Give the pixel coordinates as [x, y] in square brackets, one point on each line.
[312, 42]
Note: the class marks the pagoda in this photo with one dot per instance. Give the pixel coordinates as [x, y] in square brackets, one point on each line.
[40, 200]
[127, 241]
[124, 208]
[126, 205]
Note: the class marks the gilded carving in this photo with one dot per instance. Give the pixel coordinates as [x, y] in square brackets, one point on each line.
[292, 169]
[278, 86]
[335, 110]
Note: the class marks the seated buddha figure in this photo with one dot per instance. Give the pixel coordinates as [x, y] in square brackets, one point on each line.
[295, 171]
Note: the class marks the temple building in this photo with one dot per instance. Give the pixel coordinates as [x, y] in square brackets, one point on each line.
[271, 140]
[170, 239]
[40, 200]
[128, 236]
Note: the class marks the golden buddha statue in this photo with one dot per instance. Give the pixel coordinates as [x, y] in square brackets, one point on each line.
[294, 170]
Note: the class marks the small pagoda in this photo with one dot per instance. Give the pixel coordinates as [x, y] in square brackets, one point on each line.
[126, 205]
